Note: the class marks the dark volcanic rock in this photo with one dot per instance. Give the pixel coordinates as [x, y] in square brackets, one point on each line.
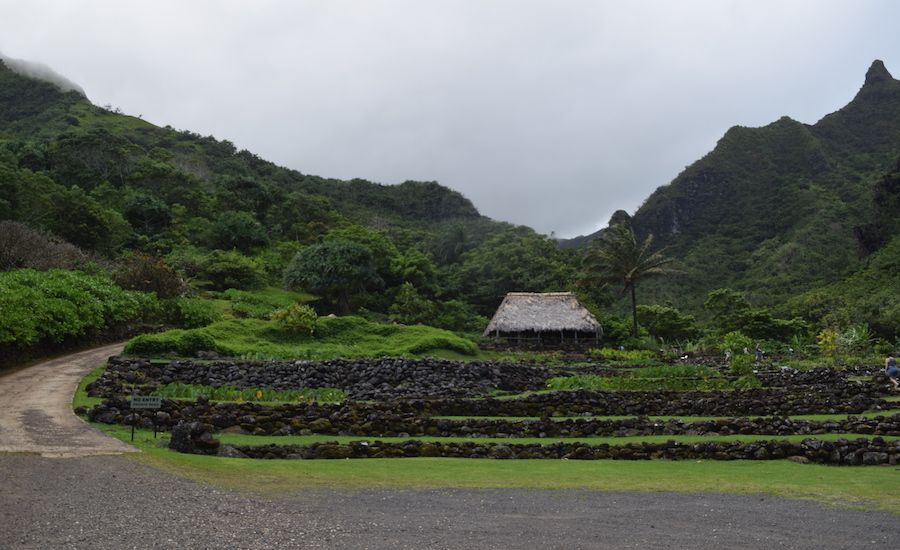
[364, 379]
[194, 438]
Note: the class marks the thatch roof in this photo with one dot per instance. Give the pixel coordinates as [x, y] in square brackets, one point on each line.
[541, 312]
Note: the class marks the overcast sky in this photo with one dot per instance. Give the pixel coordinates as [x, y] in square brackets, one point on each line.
[551, 114]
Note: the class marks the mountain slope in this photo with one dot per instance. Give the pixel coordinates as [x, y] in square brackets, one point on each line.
[63, 136]
[772, 210]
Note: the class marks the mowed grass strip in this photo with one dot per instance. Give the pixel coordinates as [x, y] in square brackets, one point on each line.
[865, 487]
[685, 419]
[241, 439]
[81, 398]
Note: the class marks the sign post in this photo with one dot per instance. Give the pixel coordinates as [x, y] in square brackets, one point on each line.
[144, 402]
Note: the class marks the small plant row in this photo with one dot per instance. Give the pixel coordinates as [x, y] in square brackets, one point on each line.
[195, 438]
[388, 420]
[177, 390]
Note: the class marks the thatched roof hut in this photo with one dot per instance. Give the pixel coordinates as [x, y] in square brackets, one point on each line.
[547, 316]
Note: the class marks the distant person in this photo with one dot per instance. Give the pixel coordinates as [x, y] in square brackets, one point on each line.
[759, 353]
[890, 368]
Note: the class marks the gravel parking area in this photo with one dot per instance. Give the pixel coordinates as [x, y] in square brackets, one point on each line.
[114, 502]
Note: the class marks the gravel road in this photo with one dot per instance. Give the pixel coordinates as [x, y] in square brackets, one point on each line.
[57, 490]
[36, 408]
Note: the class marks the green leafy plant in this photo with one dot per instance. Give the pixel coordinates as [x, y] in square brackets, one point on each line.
[298, 318]
[828, 341]
[190, 312]
[55, 305]
[736, 342]
[741, 365]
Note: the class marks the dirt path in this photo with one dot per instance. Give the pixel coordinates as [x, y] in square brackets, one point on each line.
[36, 409]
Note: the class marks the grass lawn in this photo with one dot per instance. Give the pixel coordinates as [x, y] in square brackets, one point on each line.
[876, 487]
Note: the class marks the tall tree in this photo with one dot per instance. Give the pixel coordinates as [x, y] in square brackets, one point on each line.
[616, 258]
[335, 270]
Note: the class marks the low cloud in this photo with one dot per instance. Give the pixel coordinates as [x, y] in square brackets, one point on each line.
[40, 71]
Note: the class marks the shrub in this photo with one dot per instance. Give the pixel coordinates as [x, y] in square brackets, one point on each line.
[236, 230]
[192, 341]
[153, 344]
[336, 270]
[181, 342]
[741, 365]
[222, 270]
[190, 312]
[736, 342]
[411, 308]
[149, 274]
[259, 304]
[666, 322]
[57, 304]
[458, 316]
[24, 247]
[827, 341]
[298, 318]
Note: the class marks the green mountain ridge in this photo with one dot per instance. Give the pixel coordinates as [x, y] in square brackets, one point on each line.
[65, 136]
[772, 210]
[799, 217]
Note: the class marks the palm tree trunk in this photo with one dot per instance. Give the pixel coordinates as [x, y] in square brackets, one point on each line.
[634, 326]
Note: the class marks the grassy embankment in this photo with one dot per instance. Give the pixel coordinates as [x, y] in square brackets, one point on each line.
[334, 337]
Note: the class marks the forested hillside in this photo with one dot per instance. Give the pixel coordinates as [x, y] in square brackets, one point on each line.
[778, 233]
[776, 211]
[117, 190]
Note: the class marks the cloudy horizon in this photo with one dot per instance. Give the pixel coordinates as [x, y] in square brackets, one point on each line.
[552, 115]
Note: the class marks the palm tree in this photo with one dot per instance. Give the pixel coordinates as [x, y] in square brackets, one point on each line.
[616, 258]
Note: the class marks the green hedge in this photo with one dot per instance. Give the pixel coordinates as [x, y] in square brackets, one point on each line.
[55, 305]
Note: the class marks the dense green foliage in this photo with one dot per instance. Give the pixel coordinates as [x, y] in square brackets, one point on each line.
[731, 312]
[872, 294]
[667, 323]
[337, 270]
[57, 305]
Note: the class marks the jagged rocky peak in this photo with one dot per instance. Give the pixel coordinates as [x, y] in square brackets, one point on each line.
[619, 216]
[877, 73]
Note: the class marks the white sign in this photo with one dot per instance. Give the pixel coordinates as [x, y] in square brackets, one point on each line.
[146, 402]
